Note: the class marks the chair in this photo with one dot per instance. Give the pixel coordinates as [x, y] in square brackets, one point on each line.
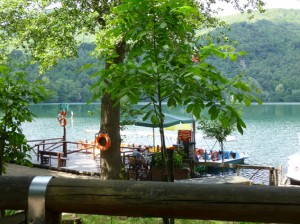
[138, 168]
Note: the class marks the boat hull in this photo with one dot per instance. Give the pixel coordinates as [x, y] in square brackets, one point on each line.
[293, 172]
[226, 161]
[216, 167]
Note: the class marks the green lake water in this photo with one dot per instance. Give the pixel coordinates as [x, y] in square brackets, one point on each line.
[270, 136]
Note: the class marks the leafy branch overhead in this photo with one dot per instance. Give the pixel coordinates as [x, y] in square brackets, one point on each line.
[160, 41]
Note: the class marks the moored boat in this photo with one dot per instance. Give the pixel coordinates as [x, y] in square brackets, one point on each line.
[214, 160]
[228, 157]
[293, 169]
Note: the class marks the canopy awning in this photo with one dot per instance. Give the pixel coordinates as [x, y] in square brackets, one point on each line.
[169, 121]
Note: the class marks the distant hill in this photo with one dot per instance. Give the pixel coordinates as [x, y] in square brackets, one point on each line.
[274, 15]
[272, 41]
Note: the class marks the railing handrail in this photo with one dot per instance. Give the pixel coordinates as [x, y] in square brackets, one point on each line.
[273, 172]
[158, 199]
[40, 140]
[242, 166]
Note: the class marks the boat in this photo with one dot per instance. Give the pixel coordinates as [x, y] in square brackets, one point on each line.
[293, 167]
[216, 157]
[214, 160]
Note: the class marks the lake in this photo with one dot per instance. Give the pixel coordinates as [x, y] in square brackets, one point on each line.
[270, 136]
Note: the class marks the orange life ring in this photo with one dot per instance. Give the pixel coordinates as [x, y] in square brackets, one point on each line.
[214, 156]
[199, 152]
[103, 141]
[62, 121]
[63, 113]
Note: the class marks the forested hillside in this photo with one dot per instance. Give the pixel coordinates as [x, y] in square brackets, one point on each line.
[272, 41]
[69, 82]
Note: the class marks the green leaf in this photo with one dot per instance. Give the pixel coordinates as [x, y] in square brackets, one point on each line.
[233, 57]
[213, 112]
[171, 102]
[154, 119]
[163, 25]
[239, 128]
[148, 114]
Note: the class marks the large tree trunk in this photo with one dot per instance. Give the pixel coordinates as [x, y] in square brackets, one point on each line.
[110, 160]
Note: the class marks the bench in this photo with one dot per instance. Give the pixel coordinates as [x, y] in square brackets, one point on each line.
[46, 157]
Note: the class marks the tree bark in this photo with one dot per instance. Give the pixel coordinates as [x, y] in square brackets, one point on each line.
[110, 160]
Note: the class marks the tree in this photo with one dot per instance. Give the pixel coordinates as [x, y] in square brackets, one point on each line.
[215, 129]
[160, 37]
[16, 94]
[49, 30]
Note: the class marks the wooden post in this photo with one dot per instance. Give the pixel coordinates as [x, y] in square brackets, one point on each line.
[276, 177]
[271, 178]
[65, 150]
[280, 174]
[38, 151]
[159, 199]
[238, 169]
[170, 165]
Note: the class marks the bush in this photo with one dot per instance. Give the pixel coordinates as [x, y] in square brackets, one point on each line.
[157, 159]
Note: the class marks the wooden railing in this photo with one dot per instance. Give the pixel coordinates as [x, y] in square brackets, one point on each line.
[156, 199]
[273, 173]
[52, 144]
[50, 147]
[40, 144]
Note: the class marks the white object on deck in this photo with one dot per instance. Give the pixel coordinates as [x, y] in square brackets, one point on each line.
[294, 167]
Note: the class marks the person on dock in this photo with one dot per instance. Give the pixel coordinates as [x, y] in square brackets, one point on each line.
[137, 153]
[139, 157]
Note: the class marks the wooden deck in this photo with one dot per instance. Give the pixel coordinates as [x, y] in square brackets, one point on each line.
[218, 180]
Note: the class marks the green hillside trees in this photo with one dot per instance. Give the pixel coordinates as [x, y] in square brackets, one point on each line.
[272, 44]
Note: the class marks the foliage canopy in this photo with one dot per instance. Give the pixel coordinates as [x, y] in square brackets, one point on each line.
[147, 47]
[16, 94]
[158, 66]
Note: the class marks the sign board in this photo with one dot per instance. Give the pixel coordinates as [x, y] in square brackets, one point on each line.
[185, 135]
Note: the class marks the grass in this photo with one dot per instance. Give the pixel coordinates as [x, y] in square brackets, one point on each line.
[99, 219]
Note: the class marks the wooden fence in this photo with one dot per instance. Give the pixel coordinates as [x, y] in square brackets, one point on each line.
[156, 199]
[56, 146]
[273, 173]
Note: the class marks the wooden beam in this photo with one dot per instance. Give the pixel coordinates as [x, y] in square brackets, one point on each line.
[217, 164]
[160, 199]
[17, 184]
[41, 140]
[255, 167]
